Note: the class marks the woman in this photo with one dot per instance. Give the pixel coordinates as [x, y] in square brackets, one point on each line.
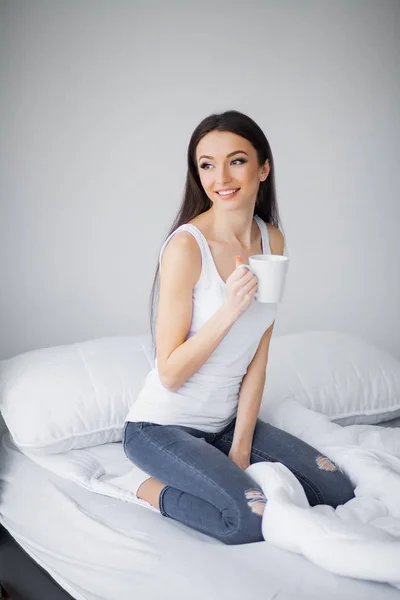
[194, 428]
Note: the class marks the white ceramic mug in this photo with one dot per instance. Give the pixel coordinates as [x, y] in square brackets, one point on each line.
[270, 270]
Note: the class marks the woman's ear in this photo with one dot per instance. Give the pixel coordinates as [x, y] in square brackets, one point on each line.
[264, 171]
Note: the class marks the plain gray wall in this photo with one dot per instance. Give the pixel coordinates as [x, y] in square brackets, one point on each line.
[98, 102]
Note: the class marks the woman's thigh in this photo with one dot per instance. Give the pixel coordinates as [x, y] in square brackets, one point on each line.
[181, 460]
[322, 480]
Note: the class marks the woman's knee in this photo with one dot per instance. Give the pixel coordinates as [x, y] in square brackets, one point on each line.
[343, 491]
[338, 488]
[247, 533]
[245, 527]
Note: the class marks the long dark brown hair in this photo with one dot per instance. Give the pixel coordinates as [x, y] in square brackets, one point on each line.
[195, 200]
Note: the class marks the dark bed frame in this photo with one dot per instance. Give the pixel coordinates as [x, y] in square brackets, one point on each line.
[21, 577]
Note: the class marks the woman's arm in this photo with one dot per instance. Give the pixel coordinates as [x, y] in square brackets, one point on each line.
[178, 357]
[253, 382]
[250, 398]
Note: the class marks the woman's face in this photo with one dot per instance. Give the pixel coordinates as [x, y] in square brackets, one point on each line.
[226, 161]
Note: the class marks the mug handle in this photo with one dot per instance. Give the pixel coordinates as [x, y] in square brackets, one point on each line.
[250, 269]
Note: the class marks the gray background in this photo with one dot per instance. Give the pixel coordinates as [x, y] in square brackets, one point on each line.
[98, 101]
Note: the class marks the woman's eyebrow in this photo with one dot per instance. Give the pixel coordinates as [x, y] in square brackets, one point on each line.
[227, 156]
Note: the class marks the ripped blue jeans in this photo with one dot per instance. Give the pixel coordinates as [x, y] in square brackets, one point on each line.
[207, 491]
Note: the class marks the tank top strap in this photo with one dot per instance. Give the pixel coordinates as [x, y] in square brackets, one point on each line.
[264, 234]
[204, 276]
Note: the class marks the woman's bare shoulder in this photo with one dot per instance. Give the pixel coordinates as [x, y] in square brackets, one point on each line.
[276, 239]
[183, 253]
[182, 243]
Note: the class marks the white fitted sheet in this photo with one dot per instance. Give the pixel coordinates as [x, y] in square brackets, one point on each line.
[97, 548]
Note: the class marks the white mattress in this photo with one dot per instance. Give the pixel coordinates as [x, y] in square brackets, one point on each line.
[102, 548]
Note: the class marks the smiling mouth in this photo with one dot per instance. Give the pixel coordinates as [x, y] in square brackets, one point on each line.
[228, 194]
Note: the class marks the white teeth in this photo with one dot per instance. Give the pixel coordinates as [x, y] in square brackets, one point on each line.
[227, 192]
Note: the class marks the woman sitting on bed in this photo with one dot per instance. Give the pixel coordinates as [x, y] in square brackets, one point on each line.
[194, 428]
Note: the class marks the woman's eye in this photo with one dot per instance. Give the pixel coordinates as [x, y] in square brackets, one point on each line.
[205, 165]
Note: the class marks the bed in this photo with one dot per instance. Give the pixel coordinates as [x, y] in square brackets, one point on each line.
[66, 535]
[21, 577]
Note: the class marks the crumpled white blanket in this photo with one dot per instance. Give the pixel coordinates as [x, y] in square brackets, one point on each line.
[359, 539]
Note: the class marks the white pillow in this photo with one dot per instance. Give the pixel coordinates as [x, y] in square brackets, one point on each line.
[340, 375]
[68, 397]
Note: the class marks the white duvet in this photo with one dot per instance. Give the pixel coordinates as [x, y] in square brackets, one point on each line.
[360, 539]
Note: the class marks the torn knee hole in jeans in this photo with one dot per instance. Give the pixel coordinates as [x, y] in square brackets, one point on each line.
[325, 464]
[256, 500]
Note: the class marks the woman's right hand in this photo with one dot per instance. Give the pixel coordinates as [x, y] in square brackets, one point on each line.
[241, 286]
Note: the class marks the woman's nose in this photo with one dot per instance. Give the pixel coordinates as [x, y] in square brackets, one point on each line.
[223, 175]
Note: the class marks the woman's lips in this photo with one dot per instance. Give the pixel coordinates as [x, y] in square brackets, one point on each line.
[227, 196]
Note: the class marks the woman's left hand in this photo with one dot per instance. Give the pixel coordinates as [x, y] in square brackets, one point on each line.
[240, 457]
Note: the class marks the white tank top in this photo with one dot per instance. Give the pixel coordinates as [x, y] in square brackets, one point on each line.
[208, 399]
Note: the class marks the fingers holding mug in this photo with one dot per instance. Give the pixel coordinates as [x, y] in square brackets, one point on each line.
[241, 288]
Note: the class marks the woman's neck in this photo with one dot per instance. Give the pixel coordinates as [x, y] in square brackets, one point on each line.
[233, 227]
